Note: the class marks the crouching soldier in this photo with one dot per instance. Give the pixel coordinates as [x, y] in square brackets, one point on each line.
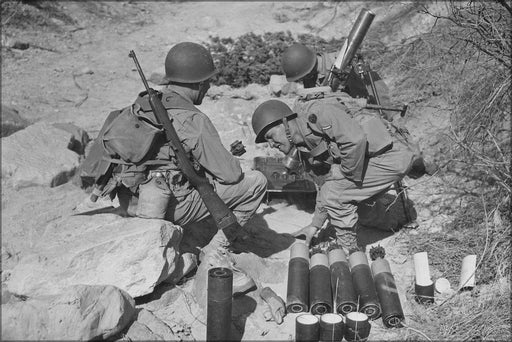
[145, 175]
[301, 64]
[358, 155]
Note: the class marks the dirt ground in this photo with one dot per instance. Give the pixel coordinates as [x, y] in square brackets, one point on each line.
[78, 70]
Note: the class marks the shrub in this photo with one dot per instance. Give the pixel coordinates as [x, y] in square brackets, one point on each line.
[253, 58]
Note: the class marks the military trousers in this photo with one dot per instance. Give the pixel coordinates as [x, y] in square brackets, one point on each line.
[243, 198]
[340, 196]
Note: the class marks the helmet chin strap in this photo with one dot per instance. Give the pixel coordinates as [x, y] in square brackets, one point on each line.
[287, 131]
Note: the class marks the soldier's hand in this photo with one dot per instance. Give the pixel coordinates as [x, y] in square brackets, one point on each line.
[308, 232]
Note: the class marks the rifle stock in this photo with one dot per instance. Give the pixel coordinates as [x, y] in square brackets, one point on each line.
[220, 212]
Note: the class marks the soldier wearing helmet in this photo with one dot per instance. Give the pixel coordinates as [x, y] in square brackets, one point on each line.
[302, 64]
[360, 165]
[155, 187]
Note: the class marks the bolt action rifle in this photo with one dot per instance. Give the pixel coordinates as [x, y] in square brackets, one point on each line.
[222, 215]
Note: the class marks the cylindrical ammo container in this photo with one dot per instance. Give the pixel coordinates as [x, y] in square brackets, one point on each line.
[218, 312]
[297, 294]
[320, 297]
[307, 328]
[331, 327]
[364, 286]
[357, 327]
[344, 295]
[392, 313]
[423, 284]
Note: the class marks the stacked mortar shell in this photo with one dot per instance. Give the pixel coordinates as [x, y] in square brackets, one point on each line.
[320, 296]
[368, 301]
[392, 313]
[297, 297]
[344, 294]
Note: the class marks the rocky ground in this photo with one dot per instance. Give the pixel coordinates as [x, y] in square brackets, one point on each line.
[76, 71]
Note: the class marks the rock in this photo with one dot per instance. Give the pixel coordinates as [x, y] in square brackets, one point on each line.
[290, 88]
[158, 329]
[157, 78]
[217, 91]
[251, 92]
[133, 254]
[79, 137]
[12, 121]
[140, 332]
[39, 155]
[78, 313]
[276, 84]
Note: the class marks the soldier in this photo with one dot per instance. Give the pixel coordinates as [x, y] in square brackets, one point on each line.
[155, 187]
[363, 158]
[302, 64]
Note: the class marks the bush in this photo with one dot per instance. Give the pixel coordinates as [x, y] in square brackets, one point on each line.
[253, 58]
[467, 64]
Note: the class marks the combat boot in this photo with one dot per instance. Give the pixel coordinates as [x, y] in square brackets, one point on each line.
[347, 239]
[216, 254]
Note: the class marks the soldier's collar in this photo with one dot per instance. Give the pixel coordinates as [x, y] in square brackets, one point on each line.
[316, 92]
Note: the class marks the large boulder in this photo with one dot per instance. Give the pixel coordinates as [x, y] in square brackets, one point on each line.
[80, 313]
[42, 154]
[133, 254]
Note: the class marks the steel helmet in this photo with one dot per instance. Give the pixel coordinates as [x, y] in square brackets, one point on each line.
[267, 114]
[297, 61]
[188, 63]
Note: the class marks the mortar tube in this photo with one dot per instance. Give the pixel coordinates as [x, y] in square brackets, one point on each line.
[320, 297]
[219, 307]
[392, 313]
[364, 285]
[331, 327]
[297, 298]
[344, 294]
[307, 328]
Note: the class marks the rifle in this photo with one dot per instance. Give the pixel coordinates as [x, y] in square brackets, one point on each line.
[220, 212]
[351, 44]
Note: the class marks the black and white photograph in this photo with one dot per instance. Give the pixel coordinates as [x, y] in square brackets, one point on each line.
[256, 170]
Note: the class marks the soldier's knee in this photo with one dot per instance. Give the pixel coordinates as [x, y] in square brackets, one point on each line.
[260, 181]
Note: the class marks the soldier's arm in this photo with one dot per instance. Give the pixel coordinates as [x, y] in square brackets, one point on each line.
[350, 138]
[208, 150]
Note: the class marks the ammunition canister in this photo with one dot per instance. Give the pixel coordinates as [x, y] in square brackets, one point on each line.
[357, 327]
[297, 297]
[423, 284]
[331, 327]
[467, 273]
[424, 294]
[320, 297]
[363, 284]
[392, 313]
[345, 297]
[307, 328]
[218, 314]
